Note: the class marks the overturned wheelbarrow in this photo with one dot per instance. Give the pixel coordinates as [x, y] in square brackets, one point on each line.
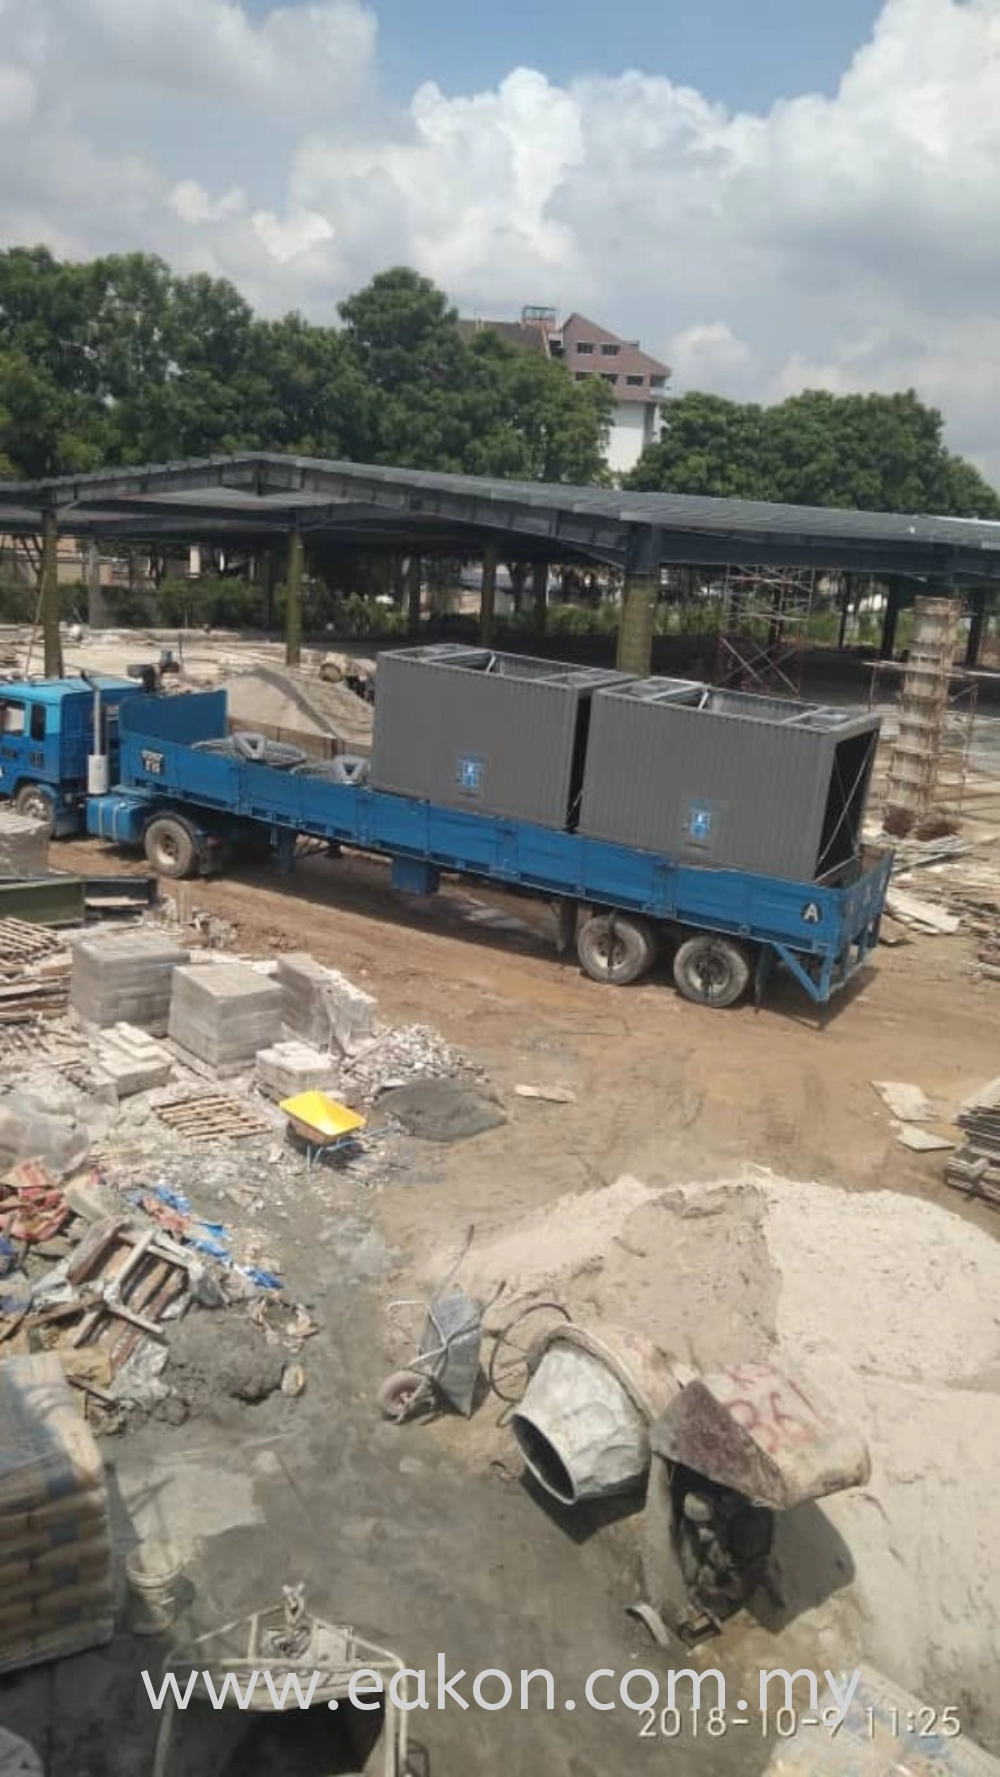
[446, 1367]
[730, 1451]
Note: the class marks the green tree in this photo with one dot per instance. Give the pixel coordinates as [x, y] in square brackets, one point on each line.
[876, 453]
[707, 446]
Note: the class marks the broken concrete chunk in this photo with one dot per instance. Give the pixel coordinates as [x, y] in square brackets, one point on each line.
[923, 916]
[547, 1094]
[909, 1103]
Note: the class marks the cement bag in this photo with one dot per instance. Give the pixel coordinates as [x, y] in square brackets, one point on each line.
[17, 1758]
[58, 1644]
[47, 1453]
[53, 1526]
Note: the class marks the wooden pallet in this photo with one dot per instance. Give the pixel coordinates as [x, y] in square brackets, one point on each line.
[22, 944]
[210, 1117]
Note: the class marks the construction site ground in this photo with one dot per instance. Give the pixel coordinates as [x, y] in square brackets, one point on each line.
[426, 1536]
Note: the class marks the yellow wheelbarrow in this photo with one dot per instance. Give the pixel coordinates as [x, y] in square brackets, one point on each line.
[322, 1125]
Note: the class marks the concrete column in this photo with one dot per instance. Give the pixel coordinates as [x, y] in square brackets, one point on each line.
[414, 575]
[293, 600]
[976, 628]
[49, 591]
[845, 607]
[488, 596]
[540, 593]
[890, 620]
[635, 631]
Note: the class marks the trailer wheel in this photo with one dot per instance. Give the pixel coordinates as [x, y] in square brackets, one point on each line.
[712, 971]
[615, 948]
[36, 803]
[170, 847]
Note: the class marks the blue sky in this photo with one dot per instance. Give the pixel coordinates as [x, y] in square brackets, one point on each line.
[746, 53]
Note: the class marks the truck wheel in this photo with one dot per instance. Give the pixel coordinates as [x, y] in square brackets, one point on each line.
[615, 948]
[712, 971]
[170, 848]
[36, 803]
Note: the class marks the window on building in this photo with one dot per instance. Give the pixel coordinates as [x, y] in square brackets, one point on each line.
[585, 347]
[635, 382]
[609, 376]
[38, 721]
[609, 351]
[11, 718]
[584, 376]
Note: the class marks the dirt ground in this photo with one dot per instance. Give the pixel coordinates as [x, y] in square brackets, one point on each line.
[415, 1532]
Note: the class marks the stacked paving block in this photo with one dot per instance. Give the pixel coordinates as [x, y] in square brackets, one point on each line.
[24, 845]
[322, 1007]
[56, 1583]
[223, 1013]
[125, 977]
[290, 1068]
[125, 1061]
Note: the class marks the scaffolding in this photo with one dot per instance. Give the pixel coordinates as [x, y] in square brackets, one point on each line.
[762, 631]
[928, 766]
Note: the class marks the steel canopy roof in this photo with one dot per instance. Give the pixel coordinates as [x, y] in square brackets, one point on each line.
[253, 497]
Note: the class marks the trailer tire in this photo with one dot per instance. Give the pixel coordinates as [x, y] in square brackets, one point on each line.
[615, 948]
[36, 803]
[170, 847]
[712, 971]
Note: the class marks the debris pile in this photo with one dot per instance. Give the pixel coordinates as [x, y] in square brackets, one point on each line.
[55, 1538]
[397, 1056]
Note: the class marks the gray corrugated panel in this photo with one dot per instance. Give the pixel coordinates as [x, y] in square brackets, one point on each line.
[726, 779]
[506, 741]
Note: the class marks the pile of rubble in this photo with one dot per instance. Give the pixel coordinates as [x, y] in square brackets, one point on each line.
[159, 1051]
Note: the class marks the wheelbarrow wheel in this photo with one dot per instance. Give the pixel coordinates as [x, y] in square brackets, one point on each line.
[402, 1394]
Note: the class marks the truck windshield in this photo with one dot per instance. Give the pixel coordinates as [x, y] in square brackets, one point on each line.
[11, 718]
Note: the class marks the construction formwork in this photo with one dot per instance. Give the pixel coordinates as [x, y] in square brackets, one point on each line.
[928, 763]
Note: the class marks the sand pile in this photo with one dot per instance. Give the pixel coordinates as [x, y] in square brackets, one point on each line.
[892, 1305]
[290, 704]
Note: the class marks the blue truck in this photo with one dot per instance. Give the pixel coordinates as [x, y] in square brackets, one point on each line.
[192, 800]
[50, 731]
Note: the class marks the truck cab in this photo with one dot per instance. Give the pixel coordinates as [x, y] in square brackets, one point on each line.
[46, 739]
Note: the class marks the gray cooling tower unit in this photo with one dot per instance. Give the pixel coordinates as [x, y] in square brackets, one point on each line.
[728, 779]
[497, 734]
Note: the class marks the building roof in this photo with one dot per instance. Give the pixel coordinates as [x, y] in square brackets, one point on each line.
[256, 497]
[528, 336]
[623, 359]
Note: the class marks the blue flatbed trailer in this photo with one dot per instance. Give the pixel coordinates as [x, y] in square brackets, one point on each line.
[210, 803]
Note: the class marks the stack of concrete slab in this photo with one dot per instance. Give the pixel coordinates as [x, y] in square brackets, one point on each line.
[322, 1007]
[24, 845]
[289, 1068]
[125, 1061]
[223, 1013]
[125, 977]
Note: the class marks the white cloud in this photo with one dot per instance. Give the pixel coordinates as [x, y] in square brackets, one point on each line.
[192, 203]
[292, 238]
[849, 241]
